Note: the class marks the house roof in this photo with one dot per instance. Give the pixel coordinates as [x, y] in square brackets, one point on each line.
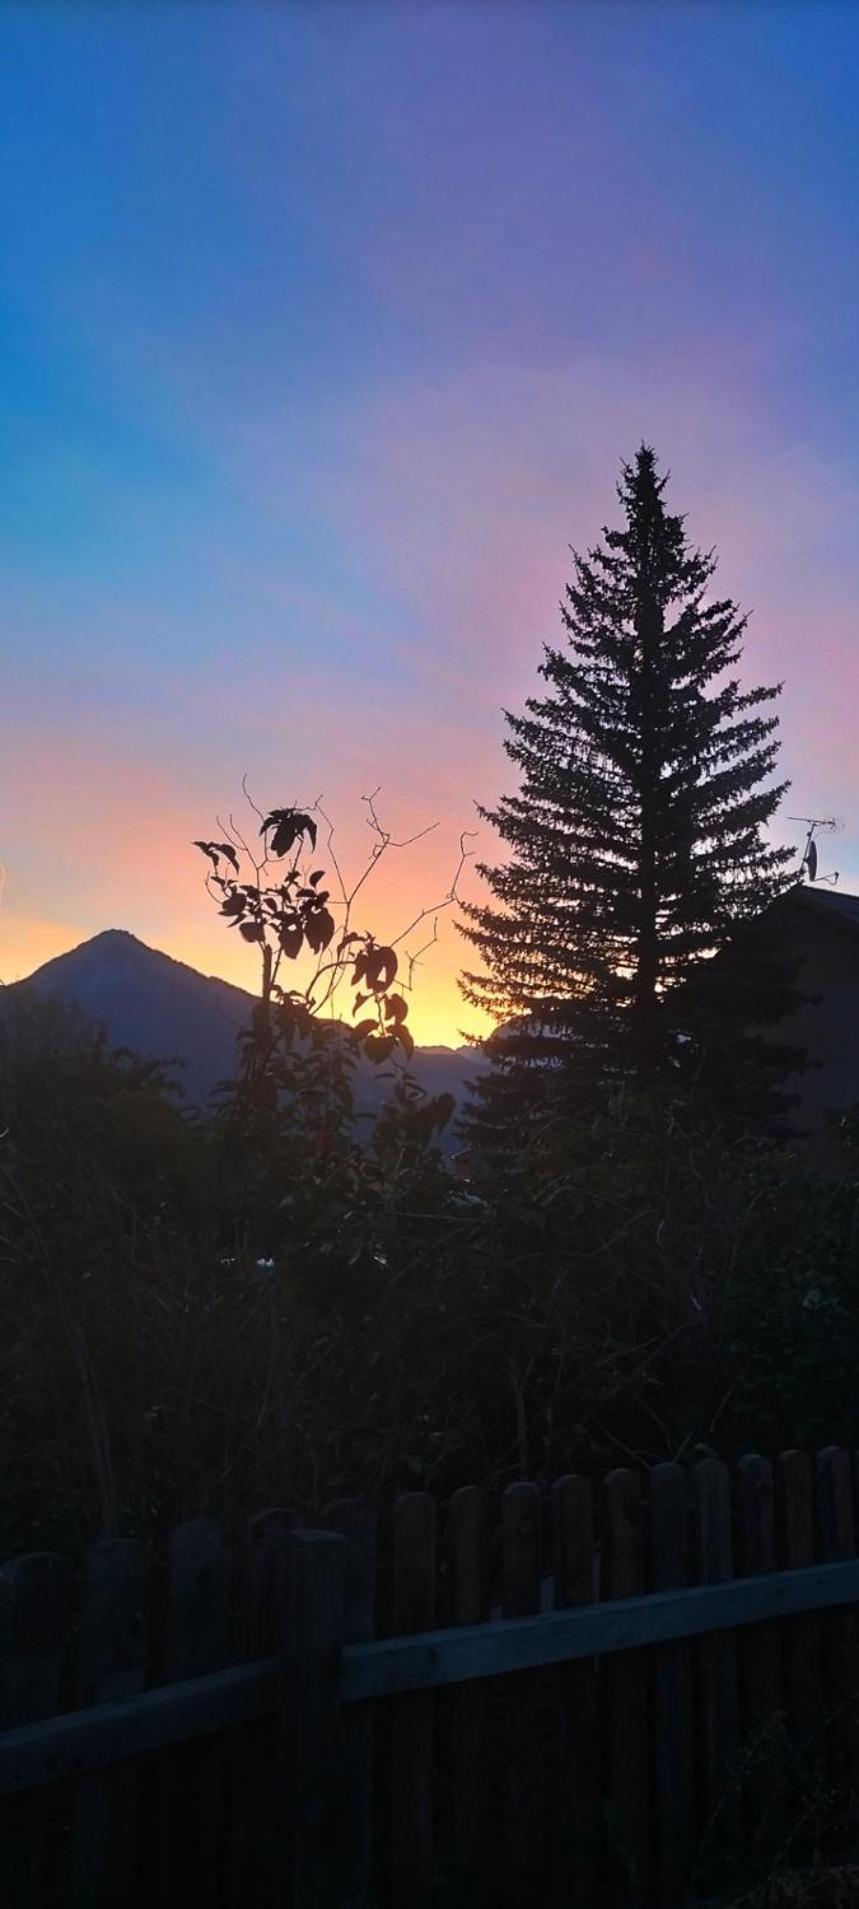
[828, 904]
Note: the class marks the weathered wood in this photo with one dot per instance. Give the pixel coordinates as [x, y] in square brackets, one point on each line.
[113, 1659]
[719, 1724]
[626, 1746]
[762, 1694]
[37, 1604]
[801, 1639]
[469, 1601]
[356, 1520]
[673, 1725]
[308, 1720]
[257, 1853]
[82, 1741]
[412, 1728]
[264, 1576]
[522, 1712]
[495, 1650]
[837, 1540]
[190, 1812]
[576, 1798]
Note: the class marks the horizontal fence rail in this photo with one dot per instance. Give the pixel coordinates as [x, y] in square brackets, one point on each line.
[439, 1658]
[618, 1695]
[83, 1741]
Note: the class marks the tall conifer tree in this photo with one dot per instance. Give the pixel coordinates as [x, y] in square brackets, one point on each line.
[636, 837]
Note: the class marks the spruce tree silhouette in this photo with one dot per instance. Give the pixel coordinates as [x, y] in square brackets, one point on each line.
[637, 841]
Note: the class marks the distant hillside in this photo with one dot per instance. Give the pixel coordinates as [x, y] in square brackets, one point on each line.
[165, 1010]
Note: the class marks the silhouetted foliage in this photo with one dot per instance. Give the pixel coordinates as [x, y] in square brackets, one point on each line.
[220, 1315]
[285, 917]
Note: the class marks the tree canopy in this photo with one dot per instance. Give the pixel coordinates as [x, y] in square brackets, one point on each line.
[637, 836]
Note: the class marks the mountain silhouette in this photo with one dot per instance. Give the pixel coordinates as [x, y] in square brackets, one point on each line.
[165, 1010]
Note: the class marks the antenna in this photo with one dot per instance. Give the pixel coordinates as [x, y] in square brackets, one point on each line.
[831, 825]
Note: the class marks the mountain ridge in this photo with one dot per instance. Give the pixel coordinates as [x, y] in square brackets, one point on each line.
[165, 1009]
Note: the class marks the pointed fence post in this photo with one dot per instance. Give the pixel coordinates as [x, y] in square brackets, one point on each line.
[308, 1713]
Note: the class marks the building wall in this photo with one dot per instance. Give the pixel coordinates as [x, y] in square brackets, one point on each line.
[828, 1029]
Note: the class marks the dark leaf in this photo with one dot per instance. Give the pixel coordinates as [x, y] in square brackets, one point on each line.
[381, 968]
[405, 1040]
[290, 936]
[319, 929]
[252, 930]
[287, 827]
[377, 1047]
[361, 1030]
[396, 1009]
[234, 905]
[208, 848]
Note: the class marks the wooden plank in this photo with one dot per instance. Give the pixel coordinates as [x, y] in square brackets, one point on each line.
[255, 1827]
[412, 1729]
[522, 1712]
[113, 1659]
[37, 1609]
[83, 1741]
[356, 1519]
[264, 1575]
[469, 1602]
[801, 1640]
[718, 1694]
[625, 1711]
[495, 1650]
[837, 1539]
[673, 1724]
[576, 1800]
[190, 1809]
[307, 1717]
[762, 1694]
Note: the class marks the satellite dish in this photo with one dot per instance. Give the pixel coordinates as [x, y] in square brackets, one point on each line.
[811, 861]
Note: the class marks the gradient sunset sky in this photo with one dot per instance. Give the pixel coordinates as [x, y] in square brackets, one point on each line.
[323, 332]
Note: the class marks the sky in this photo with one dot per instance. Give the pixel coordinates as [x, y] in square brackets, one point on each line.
[323, 332]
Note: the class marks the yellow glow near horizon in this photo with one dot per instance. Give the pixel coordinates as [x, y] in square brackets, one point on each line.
[437, 1013]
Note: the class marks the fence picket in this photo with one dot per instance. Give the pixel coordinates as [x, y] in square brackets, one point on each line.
[837, 1537]
[307, 1718]
[673, 1727]
[524, 1702]
[718, 1695]
[576, 1799]
[356, 1520]
[191, 1784]
[802, 1643]
[469, 1601]
[760, 1666]
[113, 1659]
[627, 1770]
[255, 1824]
[412, 1730]
[35, 1598]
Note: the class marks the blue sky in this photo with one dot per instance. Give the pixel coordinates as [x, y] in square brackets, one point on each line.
[322, 334]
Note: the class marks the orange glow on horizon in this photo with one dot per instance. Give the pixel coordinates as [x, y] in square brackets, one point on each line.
[437, 1012]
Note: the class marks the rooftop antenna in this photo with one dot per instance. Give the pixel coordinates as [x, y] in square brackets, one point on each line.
[831, 825]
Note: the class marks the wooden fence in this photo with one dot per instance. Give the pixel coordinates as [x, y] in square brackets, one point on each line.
[567, 1699]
